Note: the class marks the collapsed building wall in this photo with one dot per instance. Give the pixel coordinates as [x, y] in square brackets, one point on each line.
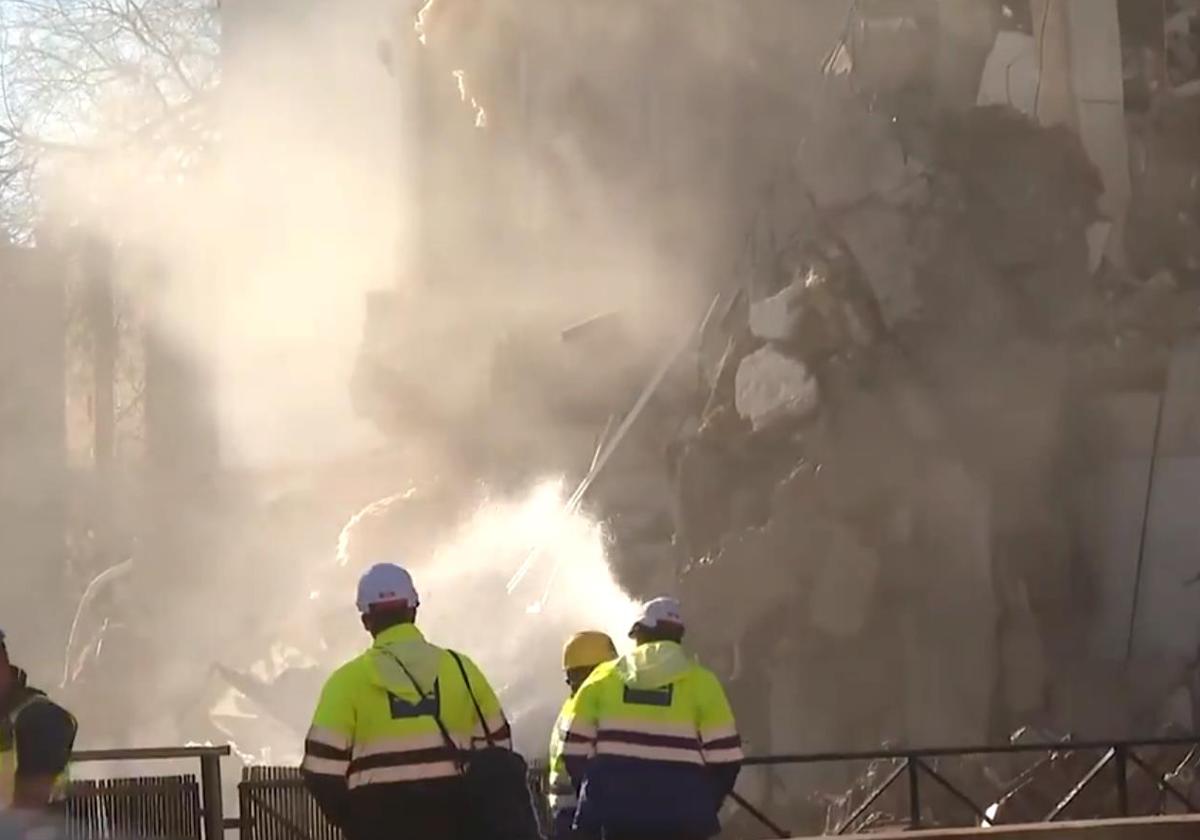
[889, 495]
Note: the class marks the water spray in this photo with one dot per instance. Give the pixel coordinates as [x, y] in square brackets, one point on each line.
[101, 580]
[605, 451]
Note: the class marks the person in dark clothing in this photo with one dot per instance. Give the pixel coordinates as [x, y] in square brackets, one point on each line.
[36, 739]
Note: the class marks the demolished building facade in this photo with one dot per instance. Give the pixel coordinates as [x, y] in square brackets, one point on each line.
[926, 476]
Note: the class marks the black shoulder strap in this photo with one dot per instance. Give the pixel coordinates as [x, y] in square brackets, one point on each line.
[437, 718]
[462, 669]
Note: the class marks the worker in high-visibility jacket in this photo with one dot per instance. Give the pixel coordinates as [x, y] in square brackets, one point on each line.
[581, 654]
[36, 739]
[383, 755]
[652, 744]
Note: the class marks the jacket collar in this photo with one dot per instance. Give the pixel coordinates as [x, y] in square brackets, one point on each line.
[398, 634]
[654, 664]
[406, 644]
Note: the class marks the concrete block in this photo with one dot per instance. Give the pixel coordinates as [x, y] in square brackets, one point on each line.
[770, 387]
[1010, 76]
[776, 318]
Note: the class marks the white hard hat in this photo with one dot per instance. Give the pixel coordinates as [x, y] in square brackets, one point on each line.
[658, 612]
[386, 585]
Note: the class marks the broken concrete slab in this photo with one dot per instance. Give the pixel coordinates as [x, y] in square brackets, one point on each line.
[1010, 76]
[1082, 87]
[834, 306]
[777, 317]
[771, 388]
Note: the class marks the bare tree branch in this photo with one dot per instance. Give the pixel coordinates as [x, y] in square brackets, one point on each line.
[64, 63]
[153, 40]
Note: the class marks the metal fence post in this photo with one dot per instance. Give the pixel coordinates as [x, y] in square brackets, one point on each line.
[212, 793]
[1121, 759]
[914, 792]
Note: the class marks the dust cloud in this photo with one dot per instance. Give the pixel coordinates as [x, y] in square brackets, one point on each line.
[254, 260]
[515, 638]
[264, 246]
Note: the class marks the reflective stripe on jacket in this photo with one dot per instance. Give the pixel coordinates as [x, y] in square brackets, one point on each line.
[10, 759]
[652, 745]
[563, 798]
[372, 727]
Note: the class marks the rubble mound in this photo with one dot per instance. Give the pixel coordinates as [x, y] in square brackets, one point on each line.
[905, 466]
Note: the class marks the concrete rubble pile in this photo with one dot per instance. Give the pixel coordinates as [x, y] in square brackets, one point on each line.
[896, 449]
[884, 508]
[884, 503]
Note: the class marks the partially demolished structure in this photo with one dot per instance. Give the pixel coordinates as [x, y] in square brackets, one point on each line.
[932, 484]
[927, 474]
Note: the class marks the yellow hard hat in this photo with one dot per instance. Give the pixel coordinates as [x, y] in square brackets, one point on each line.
[587, 650]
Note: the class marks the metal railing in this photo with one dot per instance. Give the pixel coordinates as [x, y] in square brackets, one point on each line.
[212, 813]
[917, 765]
[280, 797]
[274, 804]
[160, 807]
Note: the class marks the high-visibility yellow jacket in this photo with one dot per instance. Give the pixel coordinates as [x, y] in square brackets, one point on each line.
[652, 745]
[36, 737]
[563, 798]
[373, 732]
